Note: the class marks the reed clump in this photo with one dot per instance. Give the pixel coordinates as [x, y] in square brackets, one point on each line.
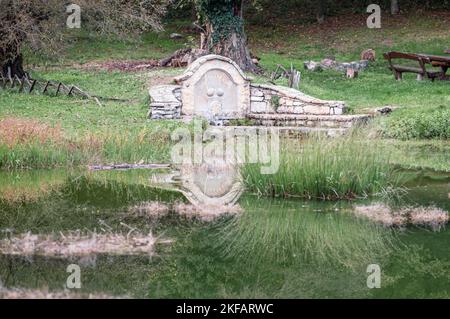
[325, 168]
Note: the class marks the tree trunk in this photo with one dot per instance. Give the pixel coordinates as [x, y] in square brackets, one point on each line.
[320, 11]
[10, 68]
[395, 9]
[224, 32]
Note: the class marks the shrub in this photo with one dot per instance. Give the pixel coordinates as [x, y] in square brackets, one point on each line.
[427, 124]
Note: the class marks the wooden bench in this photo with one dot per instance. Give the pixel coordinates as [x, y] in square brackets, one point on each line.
[420, 70]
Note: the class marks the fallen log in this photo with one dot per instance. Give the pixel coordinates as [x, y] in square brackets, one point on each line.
[182, 57]
[126, 166]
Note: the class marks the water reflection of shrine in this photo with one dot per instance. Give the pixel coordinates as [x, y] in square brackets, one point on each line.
[212, 184]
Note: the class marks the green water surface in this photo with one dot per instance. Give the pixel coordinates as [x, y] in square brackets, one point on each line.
[278, 248]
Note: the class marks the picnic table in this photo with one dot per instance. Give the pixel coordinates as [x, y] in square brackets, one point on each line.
[440, 61]
[440, 65]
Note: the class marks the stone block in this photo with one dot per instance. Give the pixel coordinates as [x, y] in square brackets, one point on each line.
[257, 98]
[298, 110]
[338, 111]
[258, 107]
[256, 92]
[316, 109]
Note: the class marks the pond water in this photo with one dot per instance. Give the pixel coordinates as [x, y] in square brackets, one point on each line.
[275, 248]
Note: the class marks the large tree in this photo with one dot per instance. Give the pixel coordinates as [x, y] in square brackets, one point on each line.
[224, 32]
[321, 7]
[395, 9]
[41, 24]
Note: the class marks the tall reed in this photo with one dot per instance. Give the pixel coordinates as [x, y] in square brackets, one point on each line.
[325, 168]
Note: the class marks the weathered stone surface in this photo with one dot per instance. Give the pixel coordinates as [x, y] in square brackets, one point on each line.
[337, 111]
[304, 120]
[298, 110]
[215, 87]
[256, 92]
[258, 107]
[294, 101]
[312, 66]
[328, 64]
[257, 98]
[164, 103]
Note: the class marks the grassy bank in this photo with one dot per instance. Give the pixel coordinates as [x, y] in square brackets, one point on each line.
[121, 132]
[26, 143]
[324, 168]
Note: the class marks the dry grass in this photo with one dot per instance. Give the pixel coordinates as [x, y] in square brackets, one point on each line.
[76, 244]
[381, 214]
[150, 209]
[432, 217]
[15, 131]
[19, 293]
[121, 65]
[205, 213]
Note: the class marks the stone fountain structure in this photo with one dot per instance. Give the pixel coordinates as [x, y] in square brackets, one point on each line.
[215, 88]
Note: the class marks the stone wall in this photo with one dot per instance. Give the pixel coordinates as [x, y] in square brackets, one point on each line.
[308, 120]
[271, 99]
[165, 102]
[214, 87]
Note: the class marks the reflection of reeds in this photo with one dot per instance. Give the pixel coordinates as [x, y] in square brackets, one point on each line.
[205, 212]
[76, 244]
[280, 235]
[149, 209]
[323, 168]
[432, 217]
[29, 186]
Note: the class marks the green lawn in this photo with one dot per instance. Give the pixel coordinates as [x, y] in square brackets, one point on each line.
[280, 44]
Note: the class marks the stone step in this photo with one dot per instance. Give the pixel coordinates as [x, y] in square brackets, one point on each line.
[309, 121]
[296, 131]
